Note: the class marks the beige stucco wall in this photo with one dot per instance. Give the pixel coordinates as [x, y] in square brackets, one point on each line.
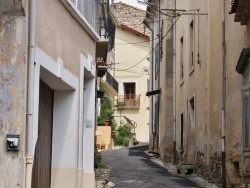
[206, 84]
[13, 66]
[59, 35]
[166, 85]
[103, 135]
[194, 82]
[127, 55]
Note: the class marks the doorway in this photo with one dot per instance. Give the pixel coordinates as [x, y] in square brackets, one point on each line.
[41, 173]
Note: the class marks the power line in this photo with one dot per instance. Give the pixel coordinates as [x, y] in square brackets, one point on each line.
[135, 43]
[153, 48]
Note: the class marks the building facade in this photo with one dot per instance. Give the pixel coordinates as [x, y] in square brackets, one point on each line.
[132, 68]
[210, 86]
[48, 80]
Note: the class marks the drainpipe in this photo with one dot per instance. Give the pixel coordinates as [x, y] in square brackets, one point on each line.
[30, 93]
[223, 120]
[158, 84]
[152, 85]
[174, 88]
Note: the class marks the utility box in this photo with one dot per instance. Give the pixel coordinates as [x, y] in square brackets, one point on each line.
[13, 142]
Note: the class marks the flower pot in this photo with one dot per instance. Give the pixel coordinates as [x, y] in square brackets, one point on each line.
[103, 147]
[106, 123]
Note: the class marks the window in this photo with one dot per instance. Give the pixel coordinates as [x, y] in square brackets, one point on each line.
[182, 130]
[128, 95]
[181, 60]
[192, 113]
[191, 45]
[246, 107]
[246, 122]
[129, 90]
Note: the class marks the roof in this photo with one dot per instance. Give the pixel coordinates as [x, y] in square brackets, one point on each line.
[233, 6]
[243, 60]
[241, 8]
[130, 18]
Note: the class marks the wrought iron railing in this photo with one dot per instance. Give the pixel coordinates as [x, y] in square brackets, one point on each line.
[129, 100]
[112, 81]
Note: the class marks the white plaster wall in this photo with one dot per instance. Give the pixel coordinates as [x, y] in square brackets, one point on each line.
[89, 125]
[65, 126]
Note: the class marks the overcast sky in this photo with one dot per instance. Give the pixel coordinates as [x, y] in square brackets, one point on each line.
[132, 2]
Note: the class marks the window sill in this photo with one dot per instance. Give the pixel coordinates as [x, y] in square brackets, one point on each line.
[191, 70]
[182, 82]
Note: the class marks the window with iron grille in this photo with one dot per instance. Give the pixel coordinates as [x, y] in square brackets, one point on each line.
[191, 44]
[181, 60]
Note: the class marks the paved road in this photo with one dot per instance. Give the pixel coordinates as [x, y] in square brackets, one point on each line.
[132, 168]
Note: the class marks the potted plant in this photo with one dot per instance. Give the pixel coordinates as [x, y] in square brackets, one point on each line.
[113, 135]
[106, 123]
[103, 145]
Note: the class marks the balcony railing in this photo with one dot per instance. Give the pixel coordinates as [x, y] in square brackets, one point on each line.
[130, 100]
[112, 81]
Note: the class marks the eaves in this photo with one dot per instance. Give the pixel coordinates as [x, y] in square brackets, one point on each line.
[122, 26]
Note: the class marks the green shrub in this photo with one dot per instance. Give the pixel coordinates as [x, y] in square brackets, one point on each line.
[123, 136]
[99, 163]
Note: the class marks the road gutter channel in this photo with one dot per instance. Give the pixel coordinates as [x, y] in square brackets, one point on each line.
[172, 170]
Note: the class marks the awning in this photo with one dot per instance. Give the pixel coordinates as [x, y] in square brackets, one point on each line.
[233, 6]
[154, 92]
[243, 60]
[241, 8]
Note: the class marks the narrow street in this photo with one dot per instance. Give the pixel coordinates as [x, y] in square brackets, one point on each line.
[132, 168]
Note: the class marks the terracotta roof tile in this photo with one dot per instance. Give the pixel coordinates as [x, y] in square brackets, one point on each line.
[130, 16]
[233, 6]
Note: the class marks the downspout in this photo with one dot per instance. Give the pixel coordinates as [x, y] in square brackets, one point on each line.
[174, 88]
[223, 119]
[30, 93]
[152, 85]
[158, 84]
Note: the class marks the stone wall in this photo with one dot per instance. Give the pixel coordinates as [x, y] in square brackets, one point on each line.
[13, 67]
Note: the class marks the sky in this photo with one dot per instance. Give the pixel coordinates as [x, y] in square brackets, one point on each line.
[132, 2]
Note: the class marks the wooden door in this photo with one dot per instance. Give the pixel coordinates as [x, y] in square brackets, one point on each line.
[129, 94]
[191, 154]
[41, 173]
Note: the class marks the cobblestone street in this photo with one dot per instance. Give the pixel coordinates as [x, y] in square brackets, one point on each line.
[132, 168]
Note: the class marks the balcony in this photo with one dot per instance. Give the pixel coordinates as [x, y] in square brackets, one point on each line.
[110, 84]
[112, 81]
[130, 101]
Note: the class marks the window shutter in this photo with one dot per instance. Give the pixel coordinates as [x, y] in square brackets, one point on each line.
[246, 122]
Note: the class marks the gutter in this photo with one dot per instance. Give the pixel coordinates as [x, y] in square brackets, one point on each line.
[30, 92]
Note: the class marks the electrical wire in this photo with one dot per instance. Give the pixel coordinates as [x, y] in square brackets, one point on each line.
[159, 11]
[153, 48]
[127, 42]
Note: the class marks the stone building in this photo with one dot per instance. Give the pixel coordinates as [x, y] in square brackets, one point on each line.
[210, 86]
[48, 52]
[161, 80]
